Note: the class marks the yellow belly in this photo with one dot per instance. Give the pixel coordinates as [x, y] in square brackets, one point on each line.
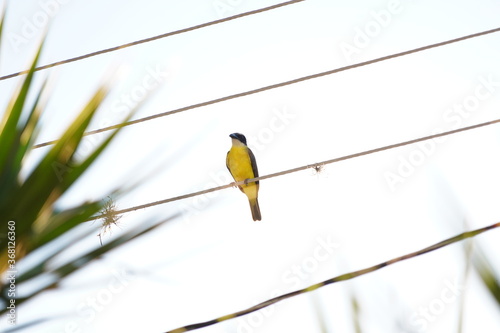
[238, 162]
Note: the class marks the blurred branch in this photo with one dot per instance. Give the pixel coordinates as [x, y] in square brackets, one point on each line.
[339, 278]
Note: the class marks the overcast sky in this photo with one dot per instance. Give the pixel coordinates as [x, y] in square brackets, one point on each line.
[213, 259]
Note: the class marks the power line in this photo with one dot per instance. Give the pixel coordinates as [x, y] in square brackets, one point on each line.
[340, 278]
[279, 85]
[150, 39]
[281, 173]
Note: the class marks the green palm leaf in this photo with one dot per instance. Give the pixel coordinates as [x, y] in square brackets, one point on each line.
[42, 229]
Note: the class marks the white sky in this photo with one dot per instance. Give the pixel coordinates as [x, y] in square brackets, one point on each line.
[214, 259]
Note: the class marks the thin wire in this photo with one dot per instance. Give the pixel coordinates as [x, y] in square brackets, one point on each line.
[315, 165]
[150, 39]
[340, 278]
[279, 85]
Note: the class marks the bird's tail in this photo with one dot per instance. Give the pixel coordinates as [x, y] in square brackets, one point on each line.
[254, 207]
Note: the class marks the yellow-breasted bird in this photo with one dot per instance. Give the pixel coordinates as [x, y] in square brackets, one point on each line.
[241, 164]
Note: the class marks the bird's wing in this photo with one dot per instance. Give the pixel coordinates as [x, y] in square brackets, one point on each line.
[254, 165]
[227, 163]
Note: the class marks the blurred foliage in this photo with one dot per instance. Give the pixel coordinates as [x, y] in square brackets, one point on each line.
[486, 272]
[31, 223]
[356, 310]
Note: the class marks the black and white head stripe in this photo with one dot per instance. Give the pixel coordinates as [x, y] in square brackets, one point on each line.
[239, 137]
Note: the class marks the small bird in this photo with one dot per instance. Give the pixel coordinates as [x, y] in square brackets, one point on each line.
[240, 162]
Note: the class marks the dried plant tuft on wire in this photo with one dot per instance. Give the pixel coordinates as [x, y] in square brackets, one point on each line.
[318, 168]
[109, 217]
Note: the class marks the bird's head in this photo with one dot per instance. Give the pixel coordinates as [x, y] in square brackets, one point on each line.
[238, 136]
